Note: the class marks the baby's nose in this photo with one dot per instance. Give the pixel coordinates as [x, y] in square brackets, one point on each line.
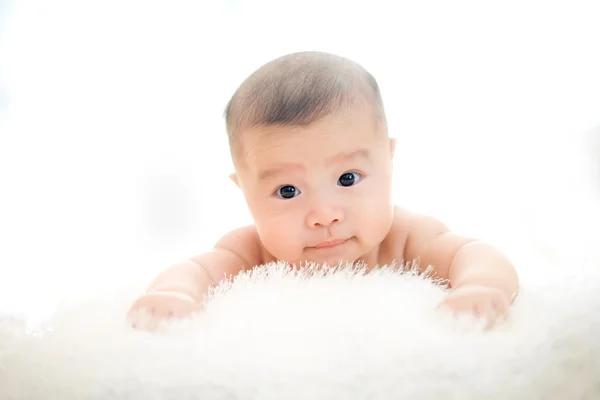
[324, 214]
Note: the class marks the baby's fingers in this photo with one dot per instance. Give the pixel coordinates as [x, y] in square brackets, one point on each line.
[142, 318]
[501, 306]
[491, 311]
[485, 311]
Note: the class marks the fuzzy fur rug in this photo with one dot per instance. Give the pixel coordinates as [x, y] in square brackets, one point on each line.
[277, 333]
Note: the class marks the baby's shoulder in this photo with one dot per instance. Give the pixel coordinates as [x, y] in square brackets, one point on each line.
[244, 242]
[403, 221]
[407, 222]
[405, 227]
[392, 247]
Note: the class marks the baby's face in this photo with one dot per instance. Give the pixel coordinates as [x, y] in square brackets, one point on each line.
[321, 192]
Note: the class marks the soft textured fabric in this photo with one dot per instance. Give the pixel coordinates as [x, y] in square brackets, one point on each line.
[280, 333]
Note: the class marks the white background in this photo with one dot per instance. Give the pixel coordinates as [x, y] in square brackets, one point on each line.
[113, 157]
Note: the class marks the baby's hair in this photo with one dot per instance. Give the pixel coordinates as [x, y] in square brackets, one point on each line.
[298, 89]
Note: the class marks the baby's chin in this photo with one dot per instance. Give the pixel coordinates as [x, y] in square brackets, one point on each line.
[343, 255]
[328, 261]
[332, 259]
[313, 261]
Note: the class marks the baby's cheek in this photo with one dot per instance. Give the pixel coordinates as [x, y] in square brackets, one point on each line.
[375, 225]
[375, 207]
[282, 241]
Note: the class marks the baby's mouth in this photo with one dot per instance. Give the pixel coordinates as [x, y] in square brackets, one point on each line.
[330, 243]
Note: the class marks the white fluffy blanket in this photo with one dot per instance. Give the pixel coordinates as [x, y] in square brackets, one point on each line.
[279, 334]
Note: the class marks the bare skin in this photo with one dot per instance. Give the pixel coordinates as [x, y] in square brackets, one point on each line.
[484, 281]
[317, 181]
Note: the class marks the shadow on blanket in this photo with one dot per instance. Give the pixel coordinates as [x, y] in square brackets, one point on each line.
[277, 333]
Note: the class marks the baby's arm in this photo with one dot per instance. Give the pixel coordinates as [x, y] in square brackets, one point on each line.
[180, 289]
[478, 273]
[195, 276]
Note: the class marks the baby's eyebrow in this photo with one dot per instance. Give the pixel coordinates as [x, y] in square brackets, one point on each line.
[340, 157]
[278, 169]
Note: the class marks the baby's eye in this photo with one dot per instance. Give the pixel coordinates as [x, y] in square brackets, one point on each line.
[287, 192]
[349, 179]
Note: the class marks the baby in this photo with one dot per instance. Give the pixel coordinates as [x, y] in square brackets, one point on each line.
[310, 146]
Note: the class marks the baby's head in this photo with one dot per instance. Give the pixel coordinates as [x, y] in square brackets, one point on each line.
[308, 138]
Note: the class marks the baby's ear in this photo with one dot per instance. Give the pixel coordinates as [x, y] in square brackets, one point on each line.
[392, 147]
[234, 178]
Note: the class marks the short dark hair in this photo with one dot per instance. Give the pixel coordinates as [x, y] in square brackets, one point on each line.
[300, 88]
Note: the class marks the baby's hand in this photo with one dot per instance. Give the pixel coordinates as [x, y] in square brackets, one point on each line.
[482, 302]
[153, 307]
